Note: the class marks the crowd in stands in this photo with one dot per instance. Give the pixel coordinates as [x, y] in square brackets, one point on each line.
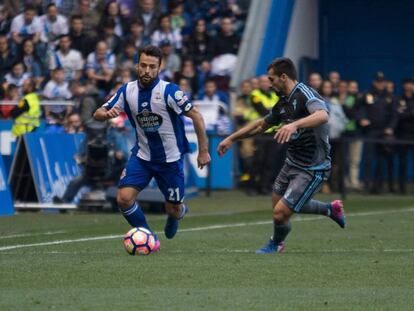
[79, 50]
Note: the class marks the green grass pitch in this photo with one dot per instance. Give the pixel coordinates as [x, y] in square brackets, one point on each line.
[211, 264]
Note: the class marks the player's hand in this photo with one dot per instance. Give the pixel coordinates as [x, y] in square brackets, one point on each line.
[224, 146]
[284, 134]
[203, 159]
[112, 113]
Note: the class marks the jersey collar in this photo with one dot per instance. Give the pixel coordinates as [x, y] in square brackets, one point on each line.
[293, 91]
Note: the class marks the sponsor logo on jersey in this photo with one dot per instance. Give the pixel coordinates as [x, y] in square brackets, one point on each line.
[149, 121]
[178, 95]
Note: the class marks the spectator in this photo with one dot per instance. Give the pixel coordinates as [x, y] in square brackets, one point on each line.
[12, 94]
[54, 25]
[170, 63]
[379, 118]
[123, 75]
[336, 123]
[348, 96]
[100, 67]
[65, 8]
[210, 91]
[149, 16]
[129, 57]
[315, 81]
[112, 12]
[5, 20]
[17, 76]
[334, 77]
[390, 87]
[203, 73]
[57, 89]
[32, 62]
[198, 45]
[26, 25]
[85, 97]
[214, 110]
[227, 41]
[165, 33]
[212, 11]
[243, 113]
[263, 99]
[119, 137]
[27, 113]
[189, 73]
[7, 58]
[89, 17]
[405, 130]
[80, 40]
[255, 83]
[108, 35]
[135, 35]
[73, 123]
[70, 60]
[185, 87]
[180, 20]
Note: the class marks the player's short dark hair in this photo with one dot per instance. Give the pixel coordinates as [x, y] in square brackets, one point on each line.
[151, 50]
[76, 16]
[283, 65]
[30, 7]
[50, 5]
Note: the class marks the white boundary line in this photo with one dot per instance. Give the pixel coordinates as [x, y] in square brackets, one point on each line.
[31, 234]
[256, 223]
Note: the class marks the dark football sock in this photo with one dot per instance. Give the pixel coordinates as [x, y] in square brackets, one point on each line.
[280, 232]
[316, 207]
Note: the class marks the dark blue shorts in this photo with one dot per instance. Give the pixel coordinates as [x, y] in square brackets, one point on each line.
[169, 177]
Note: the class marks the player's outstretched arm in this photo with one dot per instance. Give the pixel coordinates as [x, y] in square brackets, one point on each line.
[315, 119]
[101, 114]
[203, 155]
[251, 129]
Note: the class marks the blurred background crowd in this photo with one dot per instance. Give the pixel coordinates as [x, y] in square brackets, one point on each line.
[73, 54]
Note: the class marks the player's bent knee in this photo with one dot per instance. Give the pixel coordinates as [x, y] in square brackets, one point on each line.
[281, 213]
[125, 198]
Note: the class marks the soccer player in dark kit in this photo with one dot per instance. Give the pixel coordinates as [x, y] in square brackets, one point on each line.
[303, 116]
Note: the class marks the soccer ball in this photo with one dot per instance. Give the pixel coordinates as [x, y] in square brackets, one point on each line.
[139, 241]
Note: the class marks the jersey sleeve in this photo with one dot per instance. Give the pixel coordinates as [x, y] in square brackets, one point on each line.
[176, 99]
[314, 104]
[273, 118]
[117, 100]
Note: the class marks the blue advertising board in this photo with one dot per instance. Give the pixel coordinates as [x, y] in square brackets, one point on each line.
[6, 203]
[52, 162]
[221, 168]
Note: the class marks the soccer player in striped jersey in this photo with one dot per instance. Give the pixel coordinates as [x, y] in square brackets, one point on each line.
[303, 115]
[155, 109]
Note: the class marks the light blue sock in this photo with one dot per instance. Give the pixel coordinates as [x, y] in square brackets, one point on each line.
[135, 216]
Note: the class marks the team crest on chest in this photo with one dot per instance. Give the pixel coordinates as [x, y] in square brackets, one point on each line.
[149, 121]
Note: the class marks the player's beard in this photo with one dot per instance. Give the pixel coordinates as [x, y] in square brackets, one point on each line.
[148, 80]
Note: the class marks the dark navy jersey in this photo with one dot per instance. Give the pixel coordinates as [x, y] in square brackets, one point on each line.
[309, 147]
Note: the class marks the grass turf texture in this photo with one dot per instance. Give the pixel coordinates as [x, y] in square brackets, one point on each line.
[368, 266]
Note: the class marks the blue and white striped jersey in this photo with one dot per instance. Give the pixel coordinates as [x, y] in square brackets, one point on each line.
[156, 114]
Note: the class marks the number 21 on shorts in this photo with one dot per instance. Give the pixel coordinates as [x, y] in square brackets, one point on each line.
[174, 194]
